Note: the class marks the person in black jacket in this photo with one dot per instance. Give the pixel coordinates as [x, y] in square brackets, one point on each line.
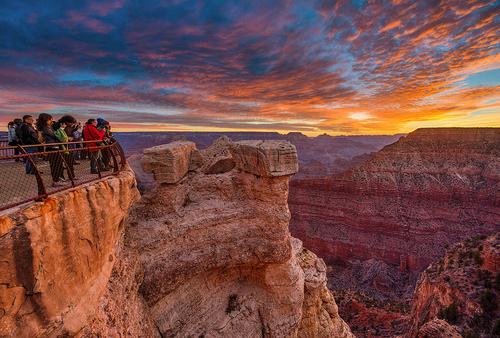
[28, 137]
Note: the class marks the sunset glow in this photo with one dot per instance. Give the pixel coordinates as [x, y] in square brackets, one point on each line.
[336, 67]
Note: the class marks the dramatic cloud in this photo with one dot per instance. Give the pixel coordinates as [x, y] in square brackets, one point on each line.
[311, 66]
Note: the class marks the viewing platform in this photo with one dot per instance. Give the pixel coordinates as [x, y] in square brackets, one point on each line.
[69, 162]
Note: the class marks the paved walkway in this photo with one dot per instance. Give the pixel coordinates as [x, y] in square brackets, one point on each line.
[16, 186]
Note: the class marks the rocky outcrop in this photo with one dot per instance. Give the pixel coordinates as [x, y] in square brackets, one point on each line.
[320, 316]
[407, 202]
[56, 257]
[438, 328]
[462, 289]
[169, 162]
[216, 253]
[265, 158]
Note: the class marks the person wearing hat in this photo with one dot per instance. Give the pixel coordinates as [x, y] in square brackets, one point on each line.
[95, 136]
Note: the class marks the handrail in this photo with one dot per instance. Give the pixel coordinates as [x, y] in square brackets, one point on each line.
[31, 172]
[49, 144]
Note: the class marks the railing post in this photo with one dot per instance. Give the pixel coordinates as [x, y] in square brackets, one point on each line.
[42, 192]
[70, 174]
[111, 149]
[123, 161]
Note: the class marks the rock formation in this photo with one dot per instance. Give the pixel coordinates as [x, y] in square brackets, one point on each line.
[217, 255]
[462, 290]
[318, 156]
[382, 222]
[206, 252]
[56, 257]
[405, 204]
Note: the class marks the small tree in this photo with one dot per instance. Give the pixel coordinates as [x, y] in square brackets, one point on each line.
[488, 301]
[449, 313]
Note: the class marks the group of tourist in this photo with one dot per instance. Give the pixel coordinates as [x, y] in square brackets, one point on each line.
[62, 141]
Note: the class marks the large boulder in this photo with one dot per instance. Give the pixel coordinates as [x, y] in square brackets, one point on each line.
[265, 158]
[217, 157]
[169, 163]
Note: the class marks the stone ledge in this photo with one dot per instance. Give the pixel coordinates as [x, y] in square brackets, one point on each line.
[169, 163]
[265, 158]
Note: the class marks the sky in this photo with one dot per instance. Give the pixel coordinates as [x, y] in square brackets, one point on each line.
[335, 67]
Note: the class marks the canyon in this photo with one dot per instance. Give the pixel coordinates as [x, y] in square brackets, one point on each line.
[194, 241]
[206, 252]
[382, 222]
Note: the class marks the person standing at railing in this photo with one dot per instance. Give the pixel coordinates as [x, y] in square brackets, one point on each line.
[90, 133]
[74, 135]
[78, 137]
[103, 125]
[28, 137]
[12, 137]
[44, 125]
[60, 133]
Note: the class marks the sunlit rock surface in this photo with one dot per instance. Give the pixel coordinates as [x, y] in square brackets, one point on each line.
[56, 257]
[168, 162]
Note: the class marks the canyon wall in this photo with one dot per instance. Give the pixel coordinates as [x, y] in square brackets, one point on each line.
[56, 257]
[406, 203]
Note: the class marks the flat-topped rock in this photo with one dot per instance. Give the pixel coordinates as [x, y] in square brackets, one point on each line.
[169, 163]
[265, 158]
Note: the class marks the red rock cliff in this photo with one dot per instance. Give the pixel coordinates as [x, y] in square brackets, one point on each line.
[405, 204]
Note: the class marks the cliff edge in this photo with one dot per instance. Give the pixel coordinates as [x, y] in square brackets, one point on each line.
[56, 257]
[460, 292]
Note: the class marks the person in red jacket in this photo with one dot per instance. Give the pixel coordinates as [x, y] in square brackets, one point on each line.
[91, 133]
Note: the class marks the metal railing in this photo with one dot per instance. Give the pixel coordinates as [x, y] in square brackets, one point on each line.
[29, 173]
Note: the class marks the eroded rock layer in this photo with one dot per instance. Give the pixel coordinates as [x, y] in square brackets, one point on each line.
[56, 257]
[407, 202]
[206, 252]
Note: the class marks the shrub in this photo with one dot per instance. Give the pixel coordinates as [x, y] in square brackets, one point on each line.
[488, 301]
[232, 303]
[471, 334]
[477, 257]
[495, 331]
[449, 313]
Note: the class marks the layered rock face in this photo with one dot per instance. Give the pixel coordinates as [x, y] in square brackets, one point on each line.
[405, 204]
[460, 293]
[216, 253]
[56, 257]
